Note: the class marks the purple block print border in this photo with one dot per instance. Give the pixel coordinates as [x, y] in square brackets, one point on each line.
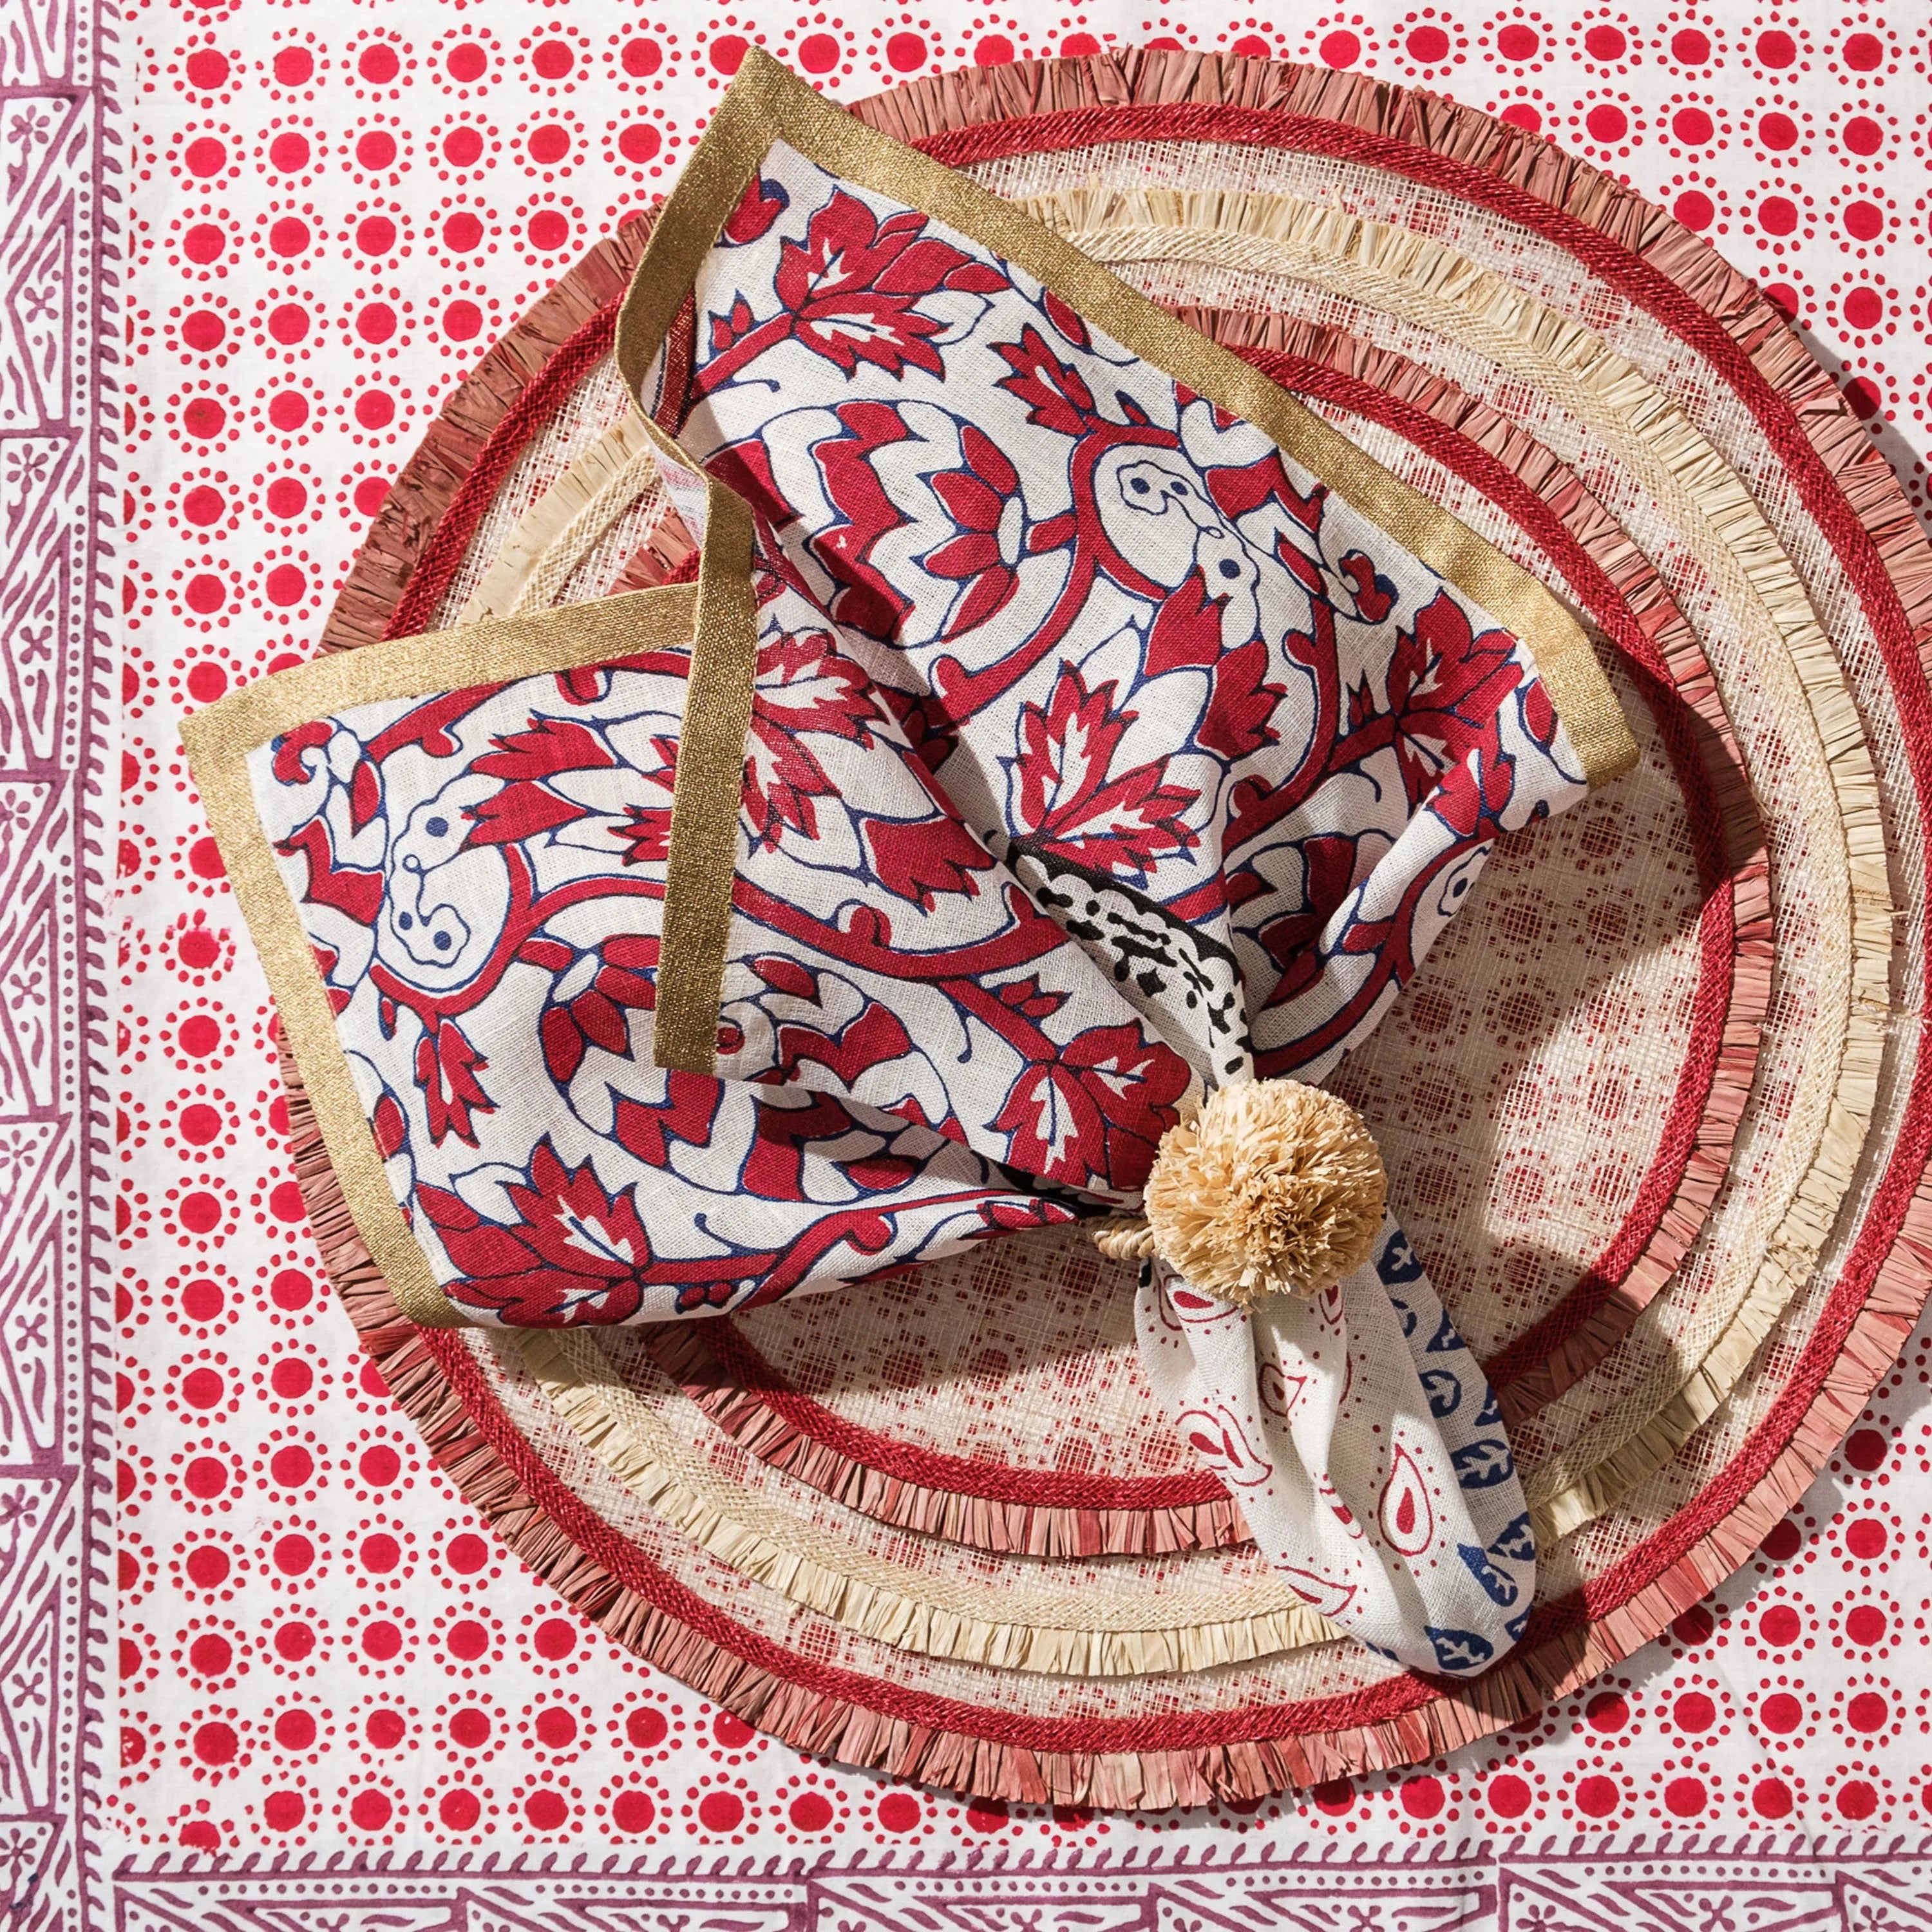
[58, 223]
[57, 732]
[1627, 1886]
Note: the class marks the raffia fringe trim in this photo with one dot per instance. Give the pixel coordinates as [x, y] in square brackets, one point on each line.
[1668, 663]
[1002, 1526]
[1039, 1532]
[1433, 286]
[945, 111]
[556, 532]
[1046, 1631]
[1553, 1663]
[586, 522]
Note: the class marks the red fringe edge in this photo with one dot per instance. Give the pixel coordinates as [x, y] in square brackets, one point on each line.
[984, 1506]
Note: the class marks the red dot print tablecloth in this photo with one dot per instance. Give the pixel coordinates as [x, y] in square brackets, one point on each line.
[324, 1660]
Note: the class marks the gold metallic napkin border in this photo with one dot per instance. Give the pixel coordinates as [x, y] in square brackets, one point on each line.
[219, 741]
[766, 102]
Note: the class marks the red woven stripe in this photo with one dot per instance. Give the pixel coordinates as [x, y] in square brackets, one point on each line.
[612, 1552]
[1677, 727]
[956, 1475]
[442, 556]
[1653, 291]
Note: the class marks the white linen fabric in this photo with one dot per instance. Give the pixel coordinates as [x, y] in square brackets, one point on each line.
[1365, 1448]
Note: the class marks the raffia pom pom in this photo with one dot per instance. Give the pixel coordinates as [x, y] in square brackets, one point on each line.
[1274, 1188]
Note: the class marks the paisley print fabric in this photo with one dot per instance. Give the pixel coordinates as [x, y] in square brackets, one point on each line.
[1365, 1449]
[1099, 754]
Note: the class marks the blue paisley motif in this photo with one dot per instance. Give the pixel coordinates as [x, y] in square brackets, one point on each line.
[1517, 1544]
[1397, 1264]
[1498, 1588]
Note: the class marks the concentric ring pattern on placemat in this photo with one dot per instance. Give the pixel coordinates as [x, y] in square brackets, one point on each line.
[1654, 1105]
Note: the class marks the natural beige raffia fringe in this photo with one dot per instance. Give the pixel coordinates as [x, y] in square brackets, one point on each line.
[1732, 1333]
[1605, 392]
[544, 550]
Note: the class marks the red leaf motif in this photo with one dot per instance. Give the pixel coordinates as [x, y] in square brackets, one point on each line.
[574, 1252]
[804, 687]
[983, 500]
[853, 286]
[919, 861]
[645, 834]
[1054, 1129]
[1133, 1082]
[925, 724]
[446, 1068]
[548, 746]
[1446, 685]
[1470, 799]
[1069, 802]
[526, 807]
[1236, 723]
[1027, 996]
[761, 204]
[351, 890]
[1055, 393]
[1186, 629]
[520, 811]
[595, 1017]
[867, 600]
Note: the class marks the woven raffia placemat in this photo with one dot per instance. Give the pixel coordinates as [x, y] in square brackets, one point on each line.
[1653, 1107]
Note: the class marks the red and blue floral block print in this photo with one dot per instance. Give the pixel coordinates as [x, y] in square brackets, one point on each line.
[1248, 749]
[1099, 754]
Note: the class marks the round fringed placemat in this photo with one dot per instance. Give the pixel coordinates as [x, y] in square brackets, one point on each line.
[1653, 1107]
